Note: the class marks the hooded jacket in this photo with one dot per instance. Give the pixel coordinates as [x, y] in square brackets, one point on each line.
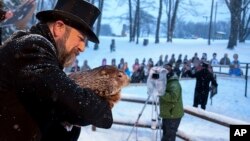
[36, 96]
[171, 105]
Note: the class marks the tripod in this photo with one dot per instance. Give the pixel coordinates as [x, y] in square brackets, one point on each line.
[156, 121]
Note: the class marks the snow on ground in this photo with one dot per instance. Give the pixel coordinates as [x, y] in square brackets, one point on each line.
[230, 100]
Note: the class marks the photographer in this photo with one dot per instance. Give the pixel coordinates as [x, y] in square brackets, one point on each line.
[203, 79]
[171, 107]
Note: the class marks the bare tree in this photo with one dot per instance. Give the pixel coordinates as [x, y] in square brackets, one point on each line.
[138, 21]
[244, 30]
[130, 21]
[210, 23]
[172, 14]
[234, 7]
[134, 29]
[98, 26]
[169, 4]
[157, 40]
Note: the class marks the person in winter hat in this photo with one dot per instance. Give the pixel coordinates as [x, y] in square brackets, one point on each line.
[171, 106]
[203, 79]
[38, 101]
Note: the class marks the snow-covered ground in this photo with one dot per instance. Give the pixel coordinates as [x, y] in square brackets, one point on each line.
[230, 100]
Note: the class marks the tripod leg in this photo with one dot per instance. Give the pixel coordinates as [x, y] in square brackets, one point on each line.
[159, 123]
[154, 119]
[139, 116]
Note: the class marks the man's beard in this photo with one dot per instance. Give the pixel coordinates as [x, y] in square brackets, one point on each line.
[65, 58]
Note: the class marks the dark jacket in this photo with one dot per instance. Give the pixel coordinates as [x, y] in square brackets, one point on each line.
[225, 61]
[203, 79]
[36, 96]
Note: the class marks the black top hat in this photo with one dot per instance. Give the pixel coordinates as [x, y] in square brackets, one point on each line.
[205, 64]
[76, 13]
[168, 64]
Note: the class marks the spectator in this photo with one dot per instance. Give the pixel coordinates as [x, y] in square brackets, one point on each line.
[39, 102]
[126, 69]
[204, 57]
[138, 75]
[166, 59]
[151, 62]
[75, 67]
[147, 69]
[225, 60]
[203, 79]
[159, 62]
[177, 70]
[171, 106]
[22, 15]
[4, 15]
[235, 67]
[136, 65]
[113, 62]
[185, 58]
[112, 45]
[214, 60]
[172, 60]
[236, 60]
[179, 60]
[184, 70]
[121, 64]
[85, 66]
[143, 63]
[195, 60]
[104, 61]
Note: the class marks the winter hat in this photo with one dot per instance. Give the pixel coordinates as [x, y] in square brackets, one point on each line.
[168, 64]
[205, 64]
[79, 14]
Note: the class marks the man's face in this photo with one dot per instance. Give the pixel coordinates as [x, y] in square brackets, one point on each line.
[70, 45]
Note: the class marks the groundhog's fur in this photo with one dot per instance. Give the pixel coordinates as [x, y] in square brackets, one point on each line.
[106, 81]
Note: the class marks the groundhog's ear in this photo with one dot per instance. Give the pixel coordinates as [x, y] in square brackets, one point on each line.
[103, 72]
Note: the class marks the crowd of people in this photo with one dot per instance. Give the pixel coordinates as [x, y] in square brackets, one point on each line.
[139, 70]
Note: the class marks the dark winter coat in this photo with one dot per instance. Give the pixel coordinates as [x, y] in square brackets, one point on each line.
[225, 61]
[203, 79]
[36, 96]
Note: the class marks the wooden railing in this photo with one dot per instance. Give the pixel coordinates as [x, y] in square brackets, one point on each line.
[199, 113]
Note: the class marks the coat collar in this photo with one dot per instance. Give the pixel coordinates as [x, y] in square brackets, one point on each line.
[43, 29]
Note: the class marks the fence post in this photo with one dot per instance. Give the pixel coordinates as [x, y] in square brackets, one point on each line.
[246, 77]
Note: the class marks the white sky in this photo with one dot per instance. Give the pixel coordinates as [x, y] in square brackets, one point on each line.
[229, 101]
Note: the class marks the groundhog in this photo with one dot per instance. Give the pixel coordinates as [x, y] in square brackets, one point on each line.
[106, 81]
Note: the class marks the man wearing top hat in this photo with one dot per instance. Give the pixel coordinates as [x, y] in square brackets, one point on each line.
[38, 101]
[203, 79]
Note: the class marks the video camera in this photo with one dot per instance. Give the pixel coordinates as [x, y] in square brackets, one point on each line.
[155, 75]
[156, 82]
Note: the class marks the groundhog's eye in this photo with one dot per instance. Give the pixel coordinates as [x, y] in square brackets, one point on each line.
[119, 75]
